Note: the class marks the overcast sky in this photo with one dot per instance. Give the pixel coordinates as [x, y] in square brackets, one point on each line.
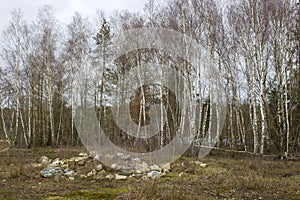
[66, 8]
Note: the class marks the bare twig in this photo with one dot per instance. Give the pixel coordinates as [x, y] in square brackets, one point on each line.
[4, 145]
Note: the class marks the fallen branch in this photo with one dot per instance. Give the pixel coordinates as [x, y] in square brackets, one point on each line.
[234, 151]
[4, 145]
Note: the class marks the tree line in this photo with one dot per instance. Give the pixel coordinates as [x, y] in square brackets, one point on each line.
[253, 43]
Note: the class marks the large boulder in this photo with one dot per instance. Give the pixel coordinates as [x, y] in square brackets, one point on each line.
[51, 172]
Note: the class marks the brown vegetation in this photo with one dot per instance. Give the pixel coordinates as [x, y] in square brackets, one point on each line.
[227, 176]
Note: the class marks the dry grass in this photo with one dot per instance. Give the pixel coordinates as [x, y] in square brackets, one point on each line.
[225, 178]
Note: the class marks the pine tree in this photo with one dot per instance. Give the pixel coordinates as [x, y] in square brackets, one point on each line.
[104, 65]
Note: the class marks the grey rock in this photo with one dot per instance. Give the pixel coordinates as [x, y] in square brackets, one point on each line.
[125, 157]
[137, 160]
[51, 171]
[110, 177]
[115, 166]
[143, 167]
[67, 170]
[154, 168]
[136, 175]
[97, 157]
[126, 168]
[70, 173]
[154, 175]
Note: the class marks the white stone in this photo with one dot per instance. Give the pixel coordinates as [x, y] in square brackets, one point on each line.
[138, 172]
[120, 177]
[56, 163]
[92, 173]
[77, 159]
[166, 167]
[119, 154]
[196, 162]
[203, 165]
[99, 167]
[44, 160]
[83, 155]
[70, 173]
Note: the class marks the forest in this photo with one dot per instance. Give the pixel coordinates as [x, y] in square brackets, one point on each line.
[253, 44]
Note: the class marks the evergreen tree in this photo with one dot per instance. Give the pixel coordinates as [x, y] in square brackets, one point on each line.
[104, 66]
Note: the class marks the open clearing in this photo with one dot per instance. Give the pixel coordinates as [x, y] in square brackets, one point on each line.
[228, 176]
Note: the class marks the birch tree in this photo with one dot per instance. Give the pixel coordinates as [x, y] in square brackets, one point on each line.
[253, 17]
[47, 36]
[76, 55]
[15, 54]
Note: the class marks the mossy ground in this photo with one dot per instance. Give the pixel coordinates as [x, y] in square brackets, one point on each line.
[226, 177]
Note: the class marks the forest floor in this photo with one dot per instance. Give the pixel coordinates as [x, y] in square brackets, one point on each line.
[227, 176]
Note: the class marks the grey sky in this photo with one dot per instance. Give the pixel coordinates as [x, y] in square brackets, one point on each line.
[66, 8]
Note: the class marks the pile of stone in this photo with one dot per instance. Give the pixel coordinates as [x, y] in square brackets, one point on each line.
[130, 167]
[57, 167]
